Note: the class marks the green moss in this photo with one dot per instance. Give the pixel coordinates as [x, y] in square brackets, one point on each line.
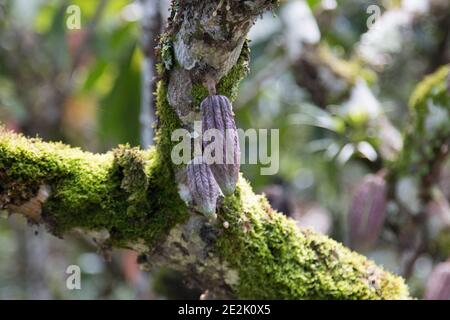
[166, 51]
[276, 260]
[432, 87]
[125, 191]
[131, 164]
[229, 84]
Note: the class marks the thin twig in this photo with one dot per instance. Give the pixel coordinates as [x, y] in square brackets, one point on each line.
[151, 27]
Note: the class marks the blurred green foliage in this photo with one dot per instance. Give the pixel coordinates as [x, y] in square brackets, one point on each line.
[325, 148]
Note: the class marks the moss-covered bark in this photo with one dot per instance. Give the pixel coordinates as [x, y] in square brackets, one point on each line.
[123, 191]
[126, 192]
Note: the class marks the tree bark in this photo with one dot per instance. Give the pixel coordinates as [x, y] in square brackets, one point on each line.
[130, 198]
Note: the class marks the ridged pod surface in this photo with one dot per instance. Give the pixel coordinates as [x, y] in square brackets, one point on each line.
[202, 186]
[448, 82]
[367, 212]
[217, 114]
[438, 284]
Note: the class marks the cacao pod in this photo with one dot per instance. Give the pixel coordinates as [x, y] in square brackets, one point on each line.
[217, 116]
[438, 284]
[367, 212]
[448, 83]
[202, 186]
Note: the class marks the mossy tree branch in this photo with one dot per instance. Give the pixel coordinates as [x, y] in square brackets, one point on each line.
[129, 198]
[123, 199]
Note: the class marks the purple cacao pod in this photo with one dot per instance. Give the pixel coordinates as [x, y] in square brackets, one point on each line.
[448, 83]
[367, 212]
[438, 284]
[202, 186]
[217, 116]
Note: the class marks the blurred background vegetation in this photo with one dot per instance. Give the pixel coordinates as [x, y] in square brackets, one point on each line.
[336, 89]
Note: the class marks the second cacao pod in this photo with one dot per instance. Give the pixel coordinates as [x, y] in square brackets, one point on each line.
[448, 83]
[438, 283]
[202, 186]
[367, 212]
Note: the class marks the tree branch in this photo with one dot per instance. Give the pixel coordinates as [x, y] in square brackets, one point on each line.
[125, 199]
